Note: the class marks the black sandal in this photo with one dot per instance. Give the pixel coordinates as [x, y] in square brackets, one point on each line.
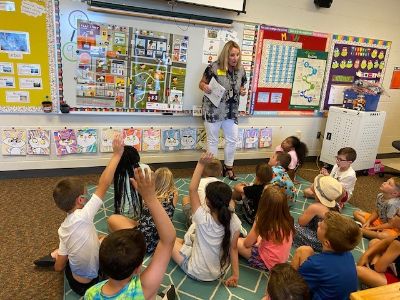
[228, 172]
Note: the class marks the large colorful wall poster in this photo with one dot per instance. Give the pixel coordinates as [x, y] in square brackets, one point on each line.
[102, 52]
[308, 79]
[352, 58]
[27, 56]
[275, 64]
[158, 70]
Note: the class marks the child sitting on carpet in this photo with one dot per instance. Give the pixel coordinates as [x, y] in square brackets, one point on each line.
[166, 194]
[330, 275]
[211, 171]
[79, 244]
[327, 191]
[271, 236]
[342, 172]
[379, 224]
[212, 238]
[279, 163]
[122, 252]
[285, 283]
[251, 194]
[297, 151]
[380, 264]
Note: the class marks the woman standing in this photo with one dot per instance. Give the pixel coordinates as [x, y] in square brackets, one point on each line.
[229, 73]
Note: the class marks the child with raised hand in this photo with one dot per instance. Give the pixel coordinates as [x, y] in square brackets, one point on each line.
[330, 275]
[211, 240]
[380, 223]
[122, 252]
[280, 162]
[285, 283]
[166, 194]
[251, 194]
[271, 236]
[79, 244]
[297, 151]
[211, 171]
[342, 172]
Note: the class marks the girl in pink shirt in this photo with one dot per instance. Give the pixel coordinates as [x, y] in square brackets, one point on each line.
[271, 236]
[297, 151]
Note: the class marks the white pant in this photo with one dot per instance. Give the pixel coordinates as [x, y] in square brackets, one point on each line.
[230, 130]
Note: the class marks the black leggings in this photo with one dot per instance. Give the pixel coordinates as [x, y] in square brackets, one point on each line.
[76, 286]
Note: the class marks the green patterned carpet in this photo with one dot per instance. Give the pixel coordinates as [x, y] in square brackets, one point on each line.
[252, 282]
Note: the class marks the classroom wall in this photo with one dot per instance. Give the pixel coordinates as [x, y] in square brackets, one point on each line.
[364, 18]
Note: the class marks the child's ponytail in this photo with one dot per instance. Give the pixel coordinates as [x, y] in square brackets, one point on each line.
[300, 148]
[219, 194]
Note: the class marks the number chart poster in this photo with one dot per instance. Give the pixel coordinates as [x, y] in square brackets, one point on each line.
[275, 64]
[308, 79]
[351, 58]
[158, 70]
[27, 56]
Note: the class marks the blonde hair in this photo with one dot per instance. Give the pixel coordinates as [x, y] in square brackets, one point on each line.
[224, 56]
[164, 183]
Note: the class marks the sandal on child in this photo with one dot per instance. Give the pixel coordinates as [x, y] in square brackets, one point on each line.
[45, 261]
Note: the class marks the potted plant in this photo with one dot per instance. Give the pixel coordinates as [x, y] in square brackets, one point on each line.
[64, 107]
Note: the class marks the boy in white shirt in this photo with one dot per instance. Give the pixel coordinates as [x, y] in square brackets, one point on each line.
[342, 172]
[78, 251]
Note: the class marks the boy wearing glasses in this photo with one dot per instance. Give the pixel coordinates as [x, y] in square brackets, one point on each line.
[342, 172]
[78, 251]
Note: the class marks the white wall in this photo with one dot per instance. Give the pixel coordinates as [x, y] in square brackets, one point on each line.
[365, 18]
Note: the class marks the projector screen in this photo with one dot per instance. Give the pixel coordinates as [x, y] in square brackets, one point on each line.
[236, 5]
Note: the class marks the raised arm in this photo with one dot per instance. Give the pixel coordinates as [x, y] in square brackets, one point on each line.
[194, 183]
[153, 275]
[107, 176]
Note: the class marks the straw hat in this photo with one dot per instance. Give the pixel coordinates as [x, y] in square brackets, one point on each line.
[328, 190]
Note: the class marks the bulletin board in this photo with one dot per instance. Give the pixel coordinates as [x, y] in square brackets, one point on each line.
[150, 80]
[352, 58]
[27, 56]
[275, 65]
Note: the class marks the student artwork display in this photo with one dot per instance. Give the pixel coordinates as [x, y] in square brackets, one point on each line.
[13, 142]
[38, 142]
[275, 64]
[250, 138]
[65, 142]
[102, 51]
[201, 139]
[87, 140]
[158, 70]
[351, 58]
[171, 139]
[265, 138]
[132, 137]
[107, 136]
[239, 143]
[151, 140]
[308, 79]
[188, 138]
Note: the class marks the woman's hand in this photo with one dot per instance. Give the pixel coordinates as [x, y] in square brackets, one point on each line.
[206, 88]
[243, 91]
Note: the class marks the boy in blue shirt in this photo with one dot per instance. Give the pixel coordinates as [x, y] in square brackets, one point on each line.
[332, 273]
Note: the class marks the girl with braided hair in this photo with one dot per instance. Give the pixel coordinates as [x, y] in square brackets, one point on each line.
[129, 209]
[211, 241]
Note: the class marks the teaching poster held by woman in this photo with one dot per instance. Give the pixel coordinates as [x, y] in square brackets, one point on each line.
[229, 73]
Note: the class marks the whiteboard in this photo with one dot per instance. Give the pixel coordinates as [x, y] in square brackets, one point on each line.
[71, 11]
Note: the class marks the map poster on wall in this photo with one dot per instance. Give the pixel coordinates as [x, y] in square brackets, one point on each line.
[351, 58]
[158, 70]
[275, 64]
[308, 79]
[102, 52]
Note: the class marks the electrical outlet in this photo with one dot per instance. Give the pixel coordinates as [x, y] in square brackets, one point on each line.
[298, 134]
[318, 135]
